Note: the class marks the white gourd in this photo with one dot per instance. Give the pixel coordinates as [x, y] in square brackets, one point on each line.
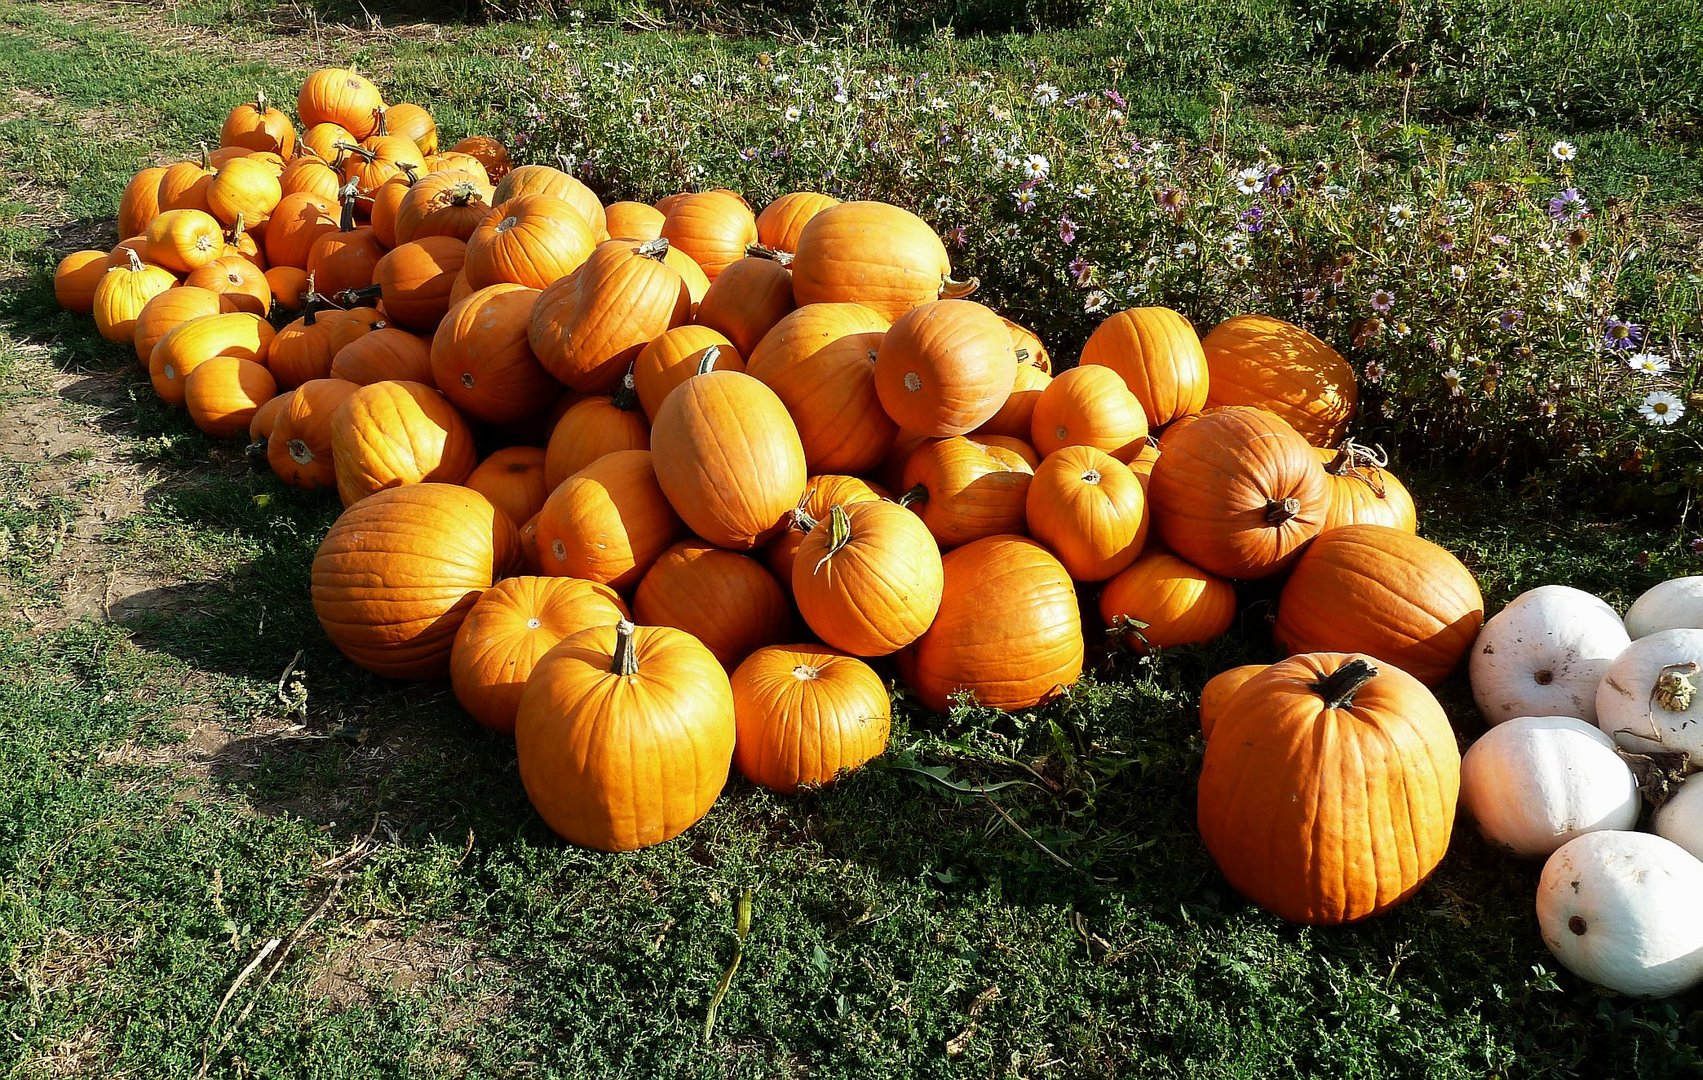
[1649, 700]
[1672, 605]
[1544, 654]
[1681, 818]
[1536, 782]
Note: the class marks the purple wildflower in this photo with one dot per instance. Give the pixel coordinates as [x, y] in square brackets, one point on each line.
[1115, 98]
[1067, 230]
[1510, 318]
[1697, 546]
[1568, 206]
[748, 154]
[1310, 295]
[1383, 300]
[1620, 334]
[1253, 220]
[1172, 199]
[957, 235]
[1080, 270]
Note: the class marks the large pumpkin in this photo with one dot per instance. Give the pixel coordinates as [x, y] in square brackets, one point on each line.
[746, 300]
[513, 479]
[1362, 492]
[821, 494]
[442, 204]
[547, 180]
[608, 522]
[415, 279]
[1159, 357]
[298, 446]
[588, 329]
[1009, 631]
[482, 361]
[1161, 601]
[713, 227]
[805, 715]
[728, 457]
[510, 629]
[725, 600]
[1264, 361]
[166, 312]
[868, 579]
[387, 353]
[223, 394]
[393, 434]
[966, 489]
[820, 361]
[590, 428]
[1088, 406]
[533, 240]
[873, 254]
[1329, 788]
[397, 573]
[1378, 590]
[339, 96]
[625, 735]
[237, 334]
[1237, 492]
[945, 368]
[1088, 508]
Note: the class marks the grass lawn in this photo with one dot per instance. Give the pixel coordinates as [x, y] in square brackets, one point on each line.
[194, 779]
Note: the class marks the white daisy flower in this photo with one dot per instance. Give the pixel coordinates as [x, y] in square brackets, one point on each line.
[1025, 199]
[1452, 380]
[1121, 161]
[698, 79]
[792, 114]
[1563, 151]
[1333, 192]
[1186, 248]
[1458, 272]
[1662, 408]
[1036, 167]
[1400, 214]
[1096, 301]
[1241, 260]
[1046, 94]
[1648, 363]
[1250, 180]
[1083, 191]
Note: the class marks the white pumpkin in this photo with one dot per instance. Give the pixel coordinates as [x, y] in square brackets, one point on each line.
[1651, 697]
[1544, 654]
[1620, 909]
[1672, 605]
[1536, 782]
[1681, 818]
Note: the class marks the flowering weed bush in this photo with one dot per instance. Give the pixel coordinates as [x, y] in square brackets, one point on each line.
[1495, 311]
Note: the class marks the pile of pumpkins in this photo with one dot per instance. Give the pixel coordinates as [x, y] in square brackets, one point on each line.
[658, 487]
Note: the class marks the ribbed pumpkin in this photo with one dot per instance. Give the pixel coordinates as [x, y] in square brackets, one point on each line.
[1030, 351]
[1328, 792]
[387, 353]
[745, 302]
[713, 227]
[821, 494]
[728, 457]
[490, 153]
[223, 393]
[515, 623]
[167, 311]
[1159, 357]
[242, 285]
[725, 600]
[588, 330]
[481, 359]
[868, 578]
[385, 203]
[625, 735]
[245, 189]
[140, 202]
[674, 357]
[1015, 418]
[298, 220]
[442, 204]
[306, 346]
[1237, 492]
[820, 361]
[1009, 633]
[1088, 406]
[299, 444]
[392, 434]
[1088, 509]
[376, 161]
[339, 96]
[413, 122]
[182, 240]
[609, 522]
[397, 574]
[1219, 691]
[184, 347]
[258, 126]
[1361, 492]
[1161, 601]
[309, 174]
[594, 426]
[532, 241]
[184, 184]
[1264, 361]
[513, 479]
[633, 221]
[345, 257]
[76, 278]
[945, 368]
[965, 489]
[415, 280]
[322, 140]
[289, 287]
[872, 254]
[121, 295]
[782, 222]
[451, 161]
[545, 180]
[805, 715]
[1382, 591]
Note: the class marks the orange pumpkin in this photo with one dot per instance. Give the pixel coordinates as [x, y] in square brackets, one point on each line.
[744, 303]
[392, 434]
[306, 347]
[451, 161]
[965, 489]
[545, 180]
[259, 127]
[140, 202]
[625, 735]
[591, 427]
[713, 227]
[412, 122]
[245, 189]
[299, 219]
[1361, 492]
[309, 174]
[1015, 418]
[1264, 361]
[513, 479]
[415, 280]
[241, 285]
[490, 153]
[183, 240]
[821, 495]
[1328, 793]
[169, 310]
[1382, 591]
[872, 254]
[1009, 633]
[727, 601]
[184, 184]
[587, 330]
[868, 579]
[289, 287]
[1219, 691]
[181, 349]
[806, 715]
[533, 240]
[609, 522]
[223, 393]
[1162, 601]
[384, 204]
[1030, 351]
[674, 357]
[442, 204]
[265, 418]
[344, 258]
[397, 574]
[325, 141]
[77, 277]
[299, 442]
[1159, 357]
[633, 221]
[1089, 406]
[945, 368]
[511, 628]
[339, 96]
[386, 353]
[1088, 508]
[782, 222]
[820, 361]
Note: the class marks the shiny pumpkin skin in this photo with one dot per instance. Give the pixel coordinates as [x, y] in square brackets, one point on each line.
[548, 180]
[1159, 357]
[482, 361]
[183, 348]
[241, 284]
[167, 311]
[1236, 491]
[387, 353]
[633, 221]
[1362, 492]
[1088, 406]
[945, 368]
[820, 361]
[609, 522]
[782, 222]
[76, 277]
[1088, 509]
[1385, 592]
[1324, 810]
[1179, 603]
[514, 624]
[619, 762]
[806, 715]
[1219, 690]
[298, 220]
[588, 329]
[873, 587]
[415, 123]
[729, 458]
[298, 446]
[869, 253]
[713, 227]
[746, 300]
[966, 489]
[397, 573]
[415, 281]
[342, 97]
[442, 204]
[674, 357]
[140, 201]
[306, 347]
[258, 126]
[1009, 631]
[820, 495]
[391, 434]
[1264, 361]
[1031, 352]
[223, 393]
[590, 428]
[1016, 417]
[121, 295]
[245, 189]
[725, 600]
[534, 240]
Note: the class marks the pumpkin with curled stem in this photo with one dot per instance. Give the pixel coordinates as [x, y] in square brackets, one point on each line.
[874, 254]
[1159, 357]
[806, 715]
[1262, 360]
[1362, 491]
[726, 600]
[868, 578]
[821, 495]
[392, 434]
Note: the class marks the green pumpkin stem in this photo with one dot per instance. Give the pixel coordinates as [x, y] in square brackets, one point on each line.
[707, 362]
[412, 172]
[626, 659]
[1277, 511]
[839, 534]
[206, 159]
[1339, 687]
[626, 396]
[918, 494]
[653, 249]
[354, 148]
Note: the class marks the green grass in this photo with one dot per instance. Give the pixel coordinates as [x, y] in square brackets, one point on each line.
[167, 810]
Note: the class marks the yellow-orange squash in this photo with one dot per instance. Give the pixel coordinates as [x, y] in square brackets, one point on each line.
[1261, 360]
[1161, 601]
[1159, 357]
[873, 254]
[1088, 509]
[608, 522]
[806, 715]
[820, 361]
[945, 368]
[223, 393]
[725, 600]
[392, 434]
[1362, 491]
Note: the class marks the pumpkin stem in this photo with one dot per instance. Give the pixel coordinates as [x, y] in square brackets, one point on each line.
[238, 228]
[626, 659]
[1364, 463]
[352, 297]
[1339, 687]
[707, 362]
[918, 494]
[953, 289]
[626, 396]
[760, 251]
[135, 260]
[206, 159]
[1674, 690]
[348, 194]
[839, 534]
[461, 193]
[1022, 356]
[653, 249]
[260, 102]
[383, 127]
[354, 148]
[412, 172]
[1277, 511]
[565, 163]
[311, 301]
[801, 518]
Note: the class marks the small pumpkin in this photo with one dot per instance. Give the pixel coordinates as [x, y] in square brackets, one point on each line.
[259, 126]
[1219, 691]
[376, 160]
[384, 204]
[289, 287]
[340, 96]
[324, 141]
[298, 445]
[945, 368]
[513, 479]
[820, 361]
[608, 522]
[265, 418]
[713, 227]
[223, 393]
[1160, 601]
[869, 579]
[1088, 406]
[1031, 352]
[874, 254]
[806, 715]
[782, 222]
[1088, 509]
[413, 122]
[1264, 361]
[299, 219]
[392, 434]
[385, 353]
[184, 184]
[533, 241]
[442, 204]
[183, 240]
[1159, 357]
[1545, 655]
[76, 278]
[241, 285]
[344, 258]
[480, 356]
[821, 494]
[140, 202]
[245, 189]
[725, 600]
[746, 300]
[122, 294]
[1362, 491]
[588, 329]
[674, 357]
[591, 427]
[965, 489]
[305, 347]
[309, 174]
